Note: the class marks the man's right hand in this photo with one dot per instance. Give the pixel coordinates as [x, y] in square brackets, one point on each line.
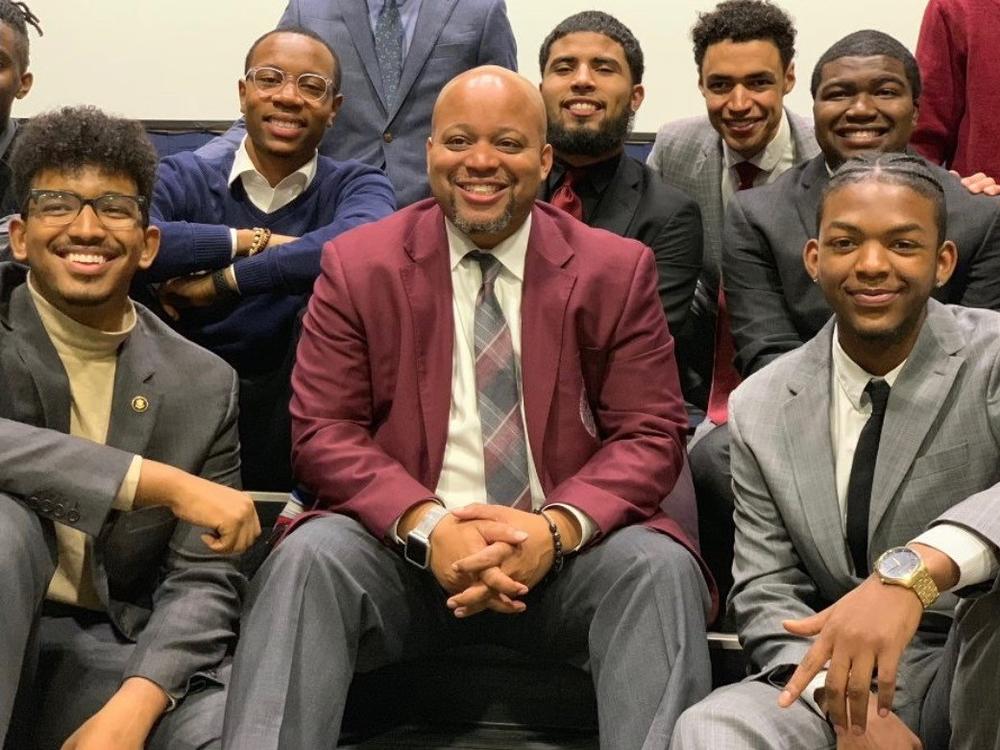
[229, 513]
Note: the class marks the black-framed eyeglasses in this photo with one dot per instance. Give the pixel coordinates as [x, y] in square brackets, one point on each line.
[310, 86]
[57, 208]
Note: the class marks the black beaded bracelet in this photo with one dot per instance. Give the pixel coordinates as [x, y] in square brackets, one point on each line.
[558, 558]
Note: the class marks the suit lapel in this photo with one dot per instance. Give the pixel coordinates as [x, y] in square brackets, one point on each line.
[430, 22]
[618, 206]
[914, 405]
[41, 364]
[544, 297]
[811, 183]
[356, 19]
[708, 167]
[807, 439]
[427, 280]
[136, 400]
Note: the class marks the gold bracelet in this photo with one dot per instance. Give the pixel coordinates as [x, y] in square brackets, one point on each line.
[261, 236]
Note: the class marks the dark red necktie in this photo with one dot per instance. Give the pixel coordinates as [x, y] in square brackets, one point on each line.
[724, 375]
[565, 197]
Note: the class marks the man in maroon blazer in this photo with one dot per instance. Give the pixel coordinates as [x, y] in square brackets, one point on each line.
[486, 399]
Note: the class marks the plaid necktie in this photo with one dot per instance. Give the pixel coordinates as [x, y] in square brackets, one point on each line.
[505, 451]
[389, 48]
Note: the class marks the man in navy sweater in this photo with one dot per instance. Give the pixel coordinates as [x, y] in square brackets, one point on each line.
[243, 230]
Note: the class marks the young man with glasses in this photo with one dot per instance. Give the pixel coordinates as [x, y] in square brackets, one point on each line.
[243, 232]
[117, 606]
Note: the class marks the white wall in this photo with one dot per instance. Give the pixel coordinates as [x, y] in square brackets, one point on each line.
[180, 59]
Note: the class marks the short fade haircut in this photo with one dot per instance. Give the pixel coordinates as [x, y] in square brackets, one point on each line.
[17, 16]
[870, 43]
[744, 21]
[74, 138]
[301, 31]
[895, 169]
[597, 22]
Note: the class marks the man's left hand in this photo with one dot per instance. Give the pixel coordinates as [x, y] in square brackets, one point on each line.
[185, 292]
[868, 627]
[979, 183]
[124, 722]
[528, 564]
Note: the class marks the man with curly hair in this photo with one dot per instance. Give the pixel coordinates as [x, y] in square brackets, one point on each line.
[119, 592]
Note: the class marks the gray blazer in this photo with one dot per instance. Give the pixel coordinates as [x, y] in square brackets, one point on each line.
[451, 36]
[688, 153]
[162, 587]
[773, 304]
[939, 459]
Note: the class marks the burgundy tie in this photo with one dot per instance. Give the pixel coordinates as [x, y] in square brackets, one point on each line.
[565, 197]
[724, 375]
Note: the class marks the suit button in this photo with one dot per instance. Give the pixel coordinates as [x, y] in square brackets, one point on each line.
[59, 511]
[31, 501]
[45, 505]
[73, 516]
[387, 137]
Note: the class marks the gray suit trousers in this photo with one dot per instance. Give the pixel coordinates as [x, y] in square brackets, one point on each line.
[56, 672]
[332, 601]
[964, 694]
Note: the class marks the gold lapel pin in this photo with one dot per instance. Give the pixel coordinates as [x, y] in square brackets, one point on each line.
[140, 404]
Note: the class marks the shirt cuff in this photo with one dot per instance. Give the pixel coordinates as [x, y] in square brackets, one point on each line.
[976, 560]
[808, 695]
[587, 526]
[125, 498]
[233, 239]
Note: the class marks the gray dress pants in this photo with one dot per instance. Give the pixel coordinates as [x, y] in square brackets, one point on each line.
[333, 600]
[56, 672]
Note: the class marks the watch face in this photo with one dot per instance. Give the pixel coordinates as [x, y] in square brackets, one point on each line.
[417, 551]
[899, 563]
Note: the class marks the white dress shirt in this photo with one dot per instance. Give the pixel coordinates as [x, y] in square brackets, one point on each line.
[259, 191]
[777, 157]
[463, 479]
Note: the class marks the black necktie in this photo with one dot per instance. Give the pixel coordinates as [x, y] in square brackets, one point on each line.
[859, 487]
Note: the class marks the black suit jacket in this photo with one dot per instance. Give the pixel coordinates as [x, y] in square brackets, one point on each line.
[638, 204]
[774, 305]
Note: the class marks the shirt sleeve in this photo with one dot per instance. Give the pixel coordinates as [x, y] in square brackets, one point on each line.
[587, 525]
[125, 498]
[976, 560]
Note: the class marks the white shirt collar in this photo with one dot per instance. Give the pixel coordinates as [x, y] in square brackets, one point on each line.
[772, 153]
[852, 377]
[511, 252]
[259, 191]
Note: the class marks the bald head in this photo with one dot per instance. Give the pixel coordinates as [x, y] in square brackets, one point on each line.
[487, 153]
[494, 82]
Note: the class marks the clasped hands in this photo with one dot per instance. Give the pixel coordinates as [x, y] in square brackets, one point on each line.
[490, 556]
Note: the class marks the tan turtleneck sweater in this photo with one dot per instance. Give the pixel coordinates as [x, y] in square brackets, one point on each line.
[90, 357]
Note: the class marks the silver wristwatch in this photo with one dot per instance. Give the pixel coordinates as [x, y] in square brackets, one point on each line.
[417, 548]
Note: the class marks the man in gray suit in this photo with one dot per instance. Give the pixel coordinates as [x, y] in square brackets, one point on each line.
[395, 56]
[744, 51]
[844, 452]
[118, 605]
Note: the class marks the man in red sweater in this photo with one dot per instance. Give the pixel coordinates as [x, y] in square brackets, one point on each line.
[959, 120]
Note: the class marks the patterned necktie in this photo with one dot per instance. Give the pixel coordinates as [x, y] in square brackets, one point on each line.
[505, 452]
[724, 375]
[389, 48]
[566, 198]
[859, 486]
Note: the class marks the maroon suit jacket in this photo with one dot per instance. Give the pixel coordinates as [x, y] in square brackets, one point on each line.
[372, 381]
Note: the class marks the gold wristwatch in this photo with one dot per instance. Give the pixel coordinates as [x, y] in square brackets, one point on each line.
[902, 566]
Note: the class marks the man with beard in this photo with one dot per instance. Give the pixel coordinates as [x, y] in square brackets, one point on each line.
[423, 332]
[592, 68]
